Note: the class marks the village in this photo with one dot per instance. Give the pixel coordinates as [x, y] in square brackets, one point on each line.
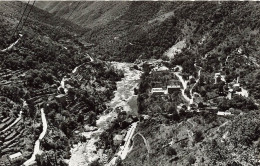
[164, 82]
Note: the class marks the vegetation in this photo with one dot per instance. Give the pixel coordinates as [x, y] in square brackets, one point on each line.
[219, 38]
[33, 70]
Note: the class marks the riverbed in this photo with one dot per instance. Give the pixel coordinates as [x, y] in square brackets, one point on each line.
[85, 153]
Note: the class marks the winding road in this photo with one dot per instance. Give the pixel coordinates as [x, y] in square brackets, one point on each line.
[185, 83]
[13, 44]
[37, 143]
[124, 149]
[147, 145]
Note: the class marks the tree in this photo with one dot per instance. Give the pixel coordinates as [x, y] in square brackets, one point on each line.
[191, 159]
[200, 105]
[92, 118]
[198, 136]
[37, 82]
[173, 111]
[170, 151]
[119, 162]
[80, 118]
[95, 163]
[224, 105]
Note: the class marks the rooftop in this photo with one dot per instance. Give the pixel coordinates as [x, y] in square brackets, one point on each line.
[60, 95]
[18, 154]
[173, 86]
[158, 90]
[118, 137]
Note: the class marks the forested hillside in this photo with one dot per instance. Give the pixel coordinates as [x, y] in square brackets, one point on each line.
[147, 30]
[34, 61]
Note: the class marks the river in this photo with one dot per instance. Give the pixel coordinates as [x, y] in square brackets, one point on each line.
[85, 153]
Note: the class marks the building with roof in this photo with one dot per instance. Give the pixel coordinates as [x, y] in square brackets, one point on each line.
[118, 139]
[221, 113]
[15, 157]
[173, 88]
[61, 98]
[158, 91]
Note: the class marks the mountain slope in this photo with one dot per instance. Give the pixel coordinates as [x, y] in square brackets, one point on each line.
[32, 75]
[122, 29]
[86, 14]
[210, 121]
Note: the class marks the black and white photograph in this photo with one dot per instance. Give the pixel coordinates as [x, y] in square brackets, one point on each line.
[129, 83]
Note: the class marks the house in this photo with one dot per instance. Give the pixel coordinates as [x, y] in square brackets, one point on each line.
[173, 88]
[118, 139]
[162, 68]
[15, 157]
[217, 74]
[236, 87]
[158, 91]
[224, 113]
[211, 95]
[229, 95]
[219, 77]
[211, 108]
[4, 161]
[61, 98]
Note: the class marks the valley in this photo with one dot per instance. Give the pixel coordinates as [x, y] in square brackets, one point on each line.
[129, 83]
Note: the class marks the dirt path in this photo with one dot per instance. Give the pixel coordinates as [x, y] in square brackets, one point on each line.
[184, 83]
[125, 149]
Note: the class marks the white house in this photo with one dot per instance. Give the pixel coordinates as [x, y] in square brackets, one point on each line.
[224, 113]
[158, 91]
[173, 88]
[118, 139]
[15, 157]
